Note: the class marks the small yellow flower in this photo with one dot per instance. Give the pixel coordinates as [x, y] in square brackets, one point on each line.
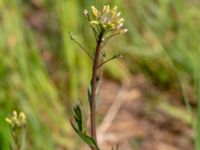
[8, 120]
[17, 120]
[107, 19]
[95, 12]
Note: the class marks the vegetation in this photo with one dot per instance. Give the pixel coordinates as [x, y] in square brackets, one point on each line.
[17, 126]
[43, 74]
[105, 23]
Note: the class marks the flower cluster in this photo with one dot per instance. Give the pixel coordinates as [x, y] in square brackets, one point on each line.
[107, 19]
[17, 120]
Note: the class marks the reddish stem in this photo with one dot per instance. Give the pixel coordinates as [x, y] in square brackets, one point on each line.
[93, 85]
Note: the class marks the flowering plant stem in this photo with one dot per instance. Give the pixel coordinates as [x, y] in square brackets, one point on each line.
[105, 23]
[93, 85]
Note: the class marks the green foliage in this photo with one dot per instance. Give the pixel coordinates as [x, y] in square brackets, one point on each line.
[25, 82]
[158, 26]
[78, 127]
[40, 67]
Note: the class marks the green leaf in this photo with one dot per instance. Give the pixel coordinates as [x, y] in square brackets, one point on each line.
[78, 127]
[78, 117]
[87, 139]
[97, 93]
[89, 95]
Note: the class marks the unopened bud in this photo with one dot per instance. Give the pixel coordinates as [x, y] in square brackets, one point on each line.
[124, 31]
[85, 13]
[120, 26]
[118, 14]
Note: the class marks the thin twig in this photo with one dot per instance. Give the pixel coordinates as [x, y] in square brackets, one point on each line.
[80, 45]
[112, 35]
[93, 29]
[108, 31]
[114, 57]
[108, 38]
[104, 44]
[95, 32]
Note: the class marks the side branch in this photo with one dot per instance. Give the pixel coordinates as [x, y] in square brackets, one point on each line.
[114, 57]
[80, 45]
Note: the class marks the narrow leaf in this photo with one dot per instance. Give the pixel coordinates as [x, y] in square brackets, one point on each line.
[87, 139]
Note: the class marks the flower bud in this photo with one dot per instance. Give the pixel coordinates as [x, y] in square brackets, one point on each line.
[85, 13]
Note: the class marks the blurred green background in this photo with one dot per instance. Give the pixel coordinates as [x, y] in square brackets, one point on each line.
[43, 72]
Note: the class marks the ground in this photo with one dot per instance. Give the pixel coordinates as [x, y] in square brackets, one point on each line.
[137, 122]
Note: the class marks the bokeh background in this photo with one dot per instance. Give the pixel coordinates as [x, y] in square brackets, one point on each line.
[43, 73]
